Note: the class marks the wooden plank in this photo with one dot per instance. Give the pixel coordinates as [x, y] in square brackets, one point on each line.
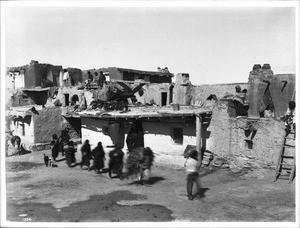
[199, 138]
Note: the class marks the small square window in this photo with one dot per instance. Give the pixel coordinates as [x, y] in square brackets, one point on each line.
[177, 135]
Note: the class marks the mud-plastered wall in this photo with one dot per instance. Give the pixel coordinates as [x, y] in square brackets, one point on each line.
[154, 92]
[158, 136]
[228, 137]
[48, 122]
[200, 93]
[96, 130]
[23, 127]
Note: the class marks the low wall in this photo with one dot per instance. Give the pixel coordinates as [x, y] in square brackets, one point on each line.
[227, 137]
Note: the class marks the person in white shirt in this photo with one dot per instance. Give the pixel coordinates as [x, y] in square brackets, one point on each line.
[191, 168]
[66, 77]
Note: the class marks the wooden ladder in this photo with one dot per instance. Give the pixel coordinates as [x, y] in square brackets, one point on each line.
[286, 159]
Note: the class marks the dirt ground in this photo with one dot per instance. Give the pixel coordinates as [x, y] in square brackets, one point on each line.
[36, 193]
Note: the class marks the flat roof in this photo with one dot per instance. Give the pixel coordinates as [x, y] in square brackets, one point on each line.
[140, 113]
[23, 111]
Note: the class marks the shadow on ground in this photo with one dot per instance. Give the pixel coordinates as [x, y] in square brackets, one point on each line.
[98, 208]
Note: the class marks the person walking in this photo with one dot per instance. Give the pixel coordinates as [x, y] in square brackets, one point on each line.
[115, 164]
[86, 155]
[55, 147]
[191, 168]
[99, 157]
[70, 153]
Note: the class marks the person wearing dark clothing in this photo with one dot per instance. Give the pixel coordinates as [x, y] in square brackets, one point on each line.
[131, 139]
[102, 79]
[64, 139]
[135, 139]
[70, 153]
[116, 162]
[55, 147]
[90, 77]
[86, 154]
[99, 157]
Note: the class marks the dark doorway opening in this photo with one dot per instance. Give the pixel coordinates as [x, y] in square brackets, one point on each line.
[164, 98]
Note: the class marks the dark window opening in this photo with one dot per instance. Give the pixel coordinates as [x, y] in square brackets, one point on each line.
[177, 135]
[67, 99]
[164, 98]
[23, 129]
[127, 76]
[171, 94]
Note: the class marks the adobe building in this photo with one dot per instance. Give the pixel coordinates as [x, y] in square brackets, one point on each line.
[34, 128]
[163, 129]
[131, 75]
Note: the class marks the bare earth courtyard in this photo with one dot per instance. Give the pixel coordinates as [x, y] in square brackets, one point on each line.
[62, 194]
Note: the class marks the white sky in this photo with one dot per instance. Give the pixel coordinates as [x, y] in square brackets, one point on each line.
[214, 45]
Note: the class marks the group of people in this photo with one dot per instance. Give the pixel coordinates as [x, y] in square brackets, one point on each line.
[138, 163]
[97, 79]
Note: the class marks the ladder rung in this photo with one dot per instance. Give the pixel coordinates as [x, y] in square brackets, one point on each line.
[288, 146]
[290, 138]
[287, 156]
[284, 164]
[205, 122]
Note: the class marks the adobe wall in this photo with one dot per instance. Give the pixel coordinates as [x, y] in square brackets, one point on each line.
[200, 93]
[95, 130]
[153, 91]
[158, 138]
[38, 71]
[227, 136]
[17, 124]
[48, 122]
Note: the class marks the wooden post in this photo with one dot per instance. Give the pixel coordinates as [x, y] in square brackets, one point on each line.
[199, 138]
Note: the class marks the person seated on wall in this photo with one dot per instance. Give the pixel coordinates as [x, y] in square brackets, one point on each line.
[289, 117]
[240, 104]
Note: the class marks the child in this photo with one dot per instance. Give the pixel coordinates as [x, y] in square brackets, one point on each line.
[191, 168]
[289, 117]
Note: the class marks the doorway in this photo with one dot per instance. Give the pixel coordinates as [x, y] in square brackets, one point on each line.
[164, 98]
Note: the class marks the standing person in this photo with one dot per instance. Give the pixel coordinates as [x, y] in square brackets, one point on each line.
[99, 157]
[55, 147]
[90, 77]
[86, 154]
[66, 77]
[191, 168]
[115, 164]
[70, 153]
[102, 79]
[96, 78]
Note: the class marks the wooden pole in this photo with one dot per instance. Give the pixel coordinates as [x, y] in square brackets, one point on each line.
[199, 138]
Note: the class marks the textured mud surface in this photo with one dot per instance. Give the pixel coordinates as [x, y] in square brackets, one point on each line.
[38, 194]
